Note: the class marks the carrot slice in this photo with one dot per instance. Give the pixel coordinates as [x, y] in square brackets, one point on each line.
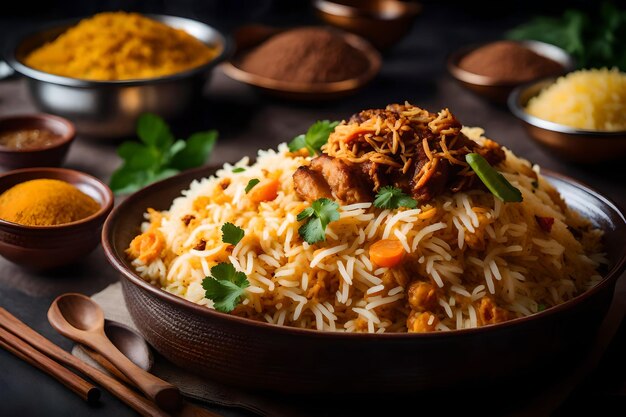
[387, 252]
[266, 190]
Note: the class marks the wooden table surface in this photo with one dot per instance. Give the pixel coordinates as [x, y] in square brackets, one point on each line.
[413, 70]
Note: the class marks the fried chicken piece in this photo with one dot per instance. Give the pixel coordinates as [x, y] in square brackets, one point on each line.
[310, 184]
[421, 322]
[422, 296]
[490, 313]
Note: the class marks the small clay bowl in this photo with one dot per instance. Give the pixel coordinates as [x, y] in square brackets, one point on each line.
[382, 22]
[47, 247]
[52, 155]
[565, 142]
[497, 90]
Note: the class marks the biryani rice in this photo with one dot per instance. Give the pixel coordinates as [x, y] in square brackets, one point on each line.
[333, 285]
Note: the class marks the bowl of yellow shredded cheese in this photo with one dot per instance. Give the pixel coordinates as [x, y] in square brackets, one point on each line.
[103, 71]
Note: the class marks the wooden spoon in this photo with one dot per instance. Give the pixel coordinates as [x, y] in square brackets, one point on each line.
[80, 319]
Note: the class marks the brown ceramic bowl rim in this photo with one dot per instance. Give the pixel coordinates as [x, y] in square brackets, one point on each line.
[104, 209]
[202, 311]
[452, 63]
[67, 136]
[337, 8]
[365, 47]
[516, 104]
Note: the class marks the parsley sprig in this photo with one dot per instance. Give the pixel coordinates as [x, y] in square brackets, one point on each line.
[231, 233]
[158, 155]
[314, 138]
[392, 198]
[225, 287]
[595, 37]
[321, 212]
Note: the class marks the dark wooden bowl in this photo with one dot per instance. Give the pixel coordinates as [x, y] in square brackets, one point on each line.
[261, 356]
[250, 36]
[46, 247]
[48, 156]
[382, 22]
[567, 143]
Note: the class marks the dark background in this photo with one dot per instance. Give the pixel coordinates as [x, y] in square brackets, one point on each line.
[414, 69]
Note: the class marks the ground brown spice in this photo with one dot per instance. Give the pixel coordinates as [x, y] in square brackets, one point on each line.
[509, 61]
[306, 55]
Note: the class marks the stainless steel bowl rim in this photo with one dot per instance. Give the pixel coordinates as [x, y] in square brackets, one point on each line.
[11, 58]
[133, 278]
[516, 107]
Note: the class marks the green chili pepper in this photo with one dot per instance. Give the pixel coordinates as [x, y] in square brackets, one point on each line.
[495, 182]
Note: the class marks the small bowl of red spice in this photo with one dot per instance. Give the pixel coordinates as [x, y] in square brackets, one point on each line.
[303, 63]
[493, 69]
[34, 140]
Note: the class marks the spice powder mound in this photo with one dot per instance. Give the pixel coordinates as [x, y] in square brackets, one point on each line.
[509, 61]
[45, 202]
[306, 55]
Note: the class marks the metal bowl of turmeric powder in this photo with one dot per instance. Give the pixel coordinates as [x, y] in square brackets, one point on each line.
[51, 217]
[102, 72]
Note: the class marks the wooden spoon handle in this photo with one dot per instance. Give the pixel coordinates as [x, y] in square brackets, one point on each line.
[166, 395]
[27, 353]
[131, 398]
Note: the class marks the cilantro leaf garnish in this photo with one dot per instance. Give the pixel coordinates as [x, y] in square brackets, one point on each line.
[231, 233]
[314, 138]
[391, 198]
[225, 287]
[321, 212]
[237, 170]
[158, 155]
[251, 184]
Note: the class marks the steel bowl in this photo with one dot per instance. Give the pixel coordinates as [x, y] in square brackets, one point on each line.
[261, 356]
[497, 90]
[109, 109]
[576, 145]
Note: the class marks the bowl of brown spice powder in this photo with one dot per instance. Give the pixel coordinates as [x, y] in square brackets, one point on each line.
[304, 63]
[493, 69]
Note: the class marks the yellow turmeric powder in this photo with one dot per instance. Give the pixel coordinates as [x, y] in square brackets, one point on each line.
[45, 202]
[120, 46]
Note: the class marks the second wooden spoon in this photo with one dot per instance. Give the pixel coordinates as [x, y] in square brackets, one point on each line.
[80, 319]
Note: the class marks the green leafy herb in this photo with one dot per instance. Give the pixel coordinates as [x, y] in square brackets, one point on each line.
[231, 233]
[495, 182]
[238, 170]
[541, 307]
[321, 212]
[225, 286]
[391, 198]
[158, 155]
[595, 39]
[314, 138]
[251, 184]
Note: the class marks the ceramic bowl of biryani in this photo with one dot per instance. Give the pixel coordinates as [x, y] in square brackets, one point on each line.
[298, 274]
[25, 239]
[579, 117]
[160, 65]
